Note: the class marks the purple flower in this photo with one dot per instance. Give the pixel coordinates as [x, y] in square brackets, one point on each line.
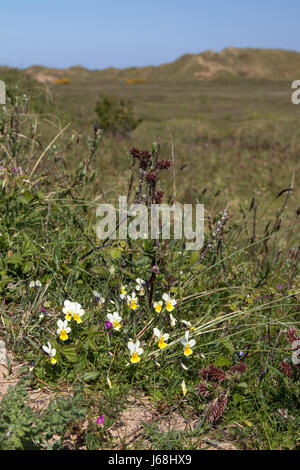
[100, 420]
[279, 286]
[108, 324]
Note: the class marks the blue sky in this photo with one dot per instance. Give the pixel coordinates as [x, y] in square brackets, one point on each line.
[124, 33]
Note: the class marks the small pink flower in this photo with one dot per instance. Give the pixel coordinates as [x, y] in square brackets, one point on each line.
[100, 420]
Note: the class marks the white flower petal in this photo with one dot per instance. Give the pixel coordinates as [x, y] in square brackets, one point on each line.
[156, 332]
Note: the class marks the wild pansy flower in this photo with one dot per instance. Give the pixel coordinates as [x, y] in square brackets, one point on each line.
[63, 329]
[78, 312]
[68, 309]
[50, 351]
[132, 301]
[188, 324]
[135, 351]
[173, 320]
[123, 292]
[140, 286]
[162, 338]
[98, 298]
[169, 302]
[115, 320]
[188, 344]
[158, 306]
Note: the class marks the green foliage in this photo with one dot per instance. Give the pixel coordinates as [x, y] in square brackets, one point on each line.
[21, 428]
[115, 115]
[227, 295]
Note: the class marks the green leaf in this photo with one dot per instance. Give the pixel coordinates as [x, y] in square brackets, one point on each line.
[70, 353]
[91, 375]
[16, 258]
[222, 361]
[227, 345]
[194, 256]
[27, 266]
[237, 398]
[115, 253]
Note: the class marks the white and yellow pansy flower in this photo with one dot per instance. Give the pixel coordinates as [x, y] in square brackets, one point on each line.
[132, 301]
[158, 306]
[188, 324]
[68, 309]
[162, 338]
[135, 351]
[187, 344]
[63, 329]
[140, 286]
[115, 320]
[170, 303]
[51, 352]
[78, 312]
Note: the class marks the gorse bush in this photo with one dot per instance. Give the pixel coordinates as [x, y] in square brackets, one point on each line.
[115, 115]
[213, 329]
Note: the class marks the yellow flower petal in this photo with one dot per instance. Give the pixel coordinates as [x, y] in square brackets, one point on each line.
[63, 335]
[68, 315]
[187, 350]
[135, 358]
[161, 343]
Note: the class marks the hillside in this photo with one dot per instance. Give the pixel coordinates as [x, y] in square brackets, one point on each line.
[229, 64]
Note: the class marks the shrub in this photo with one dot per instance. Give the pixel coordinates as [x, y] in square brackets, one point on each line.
[115, 115]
